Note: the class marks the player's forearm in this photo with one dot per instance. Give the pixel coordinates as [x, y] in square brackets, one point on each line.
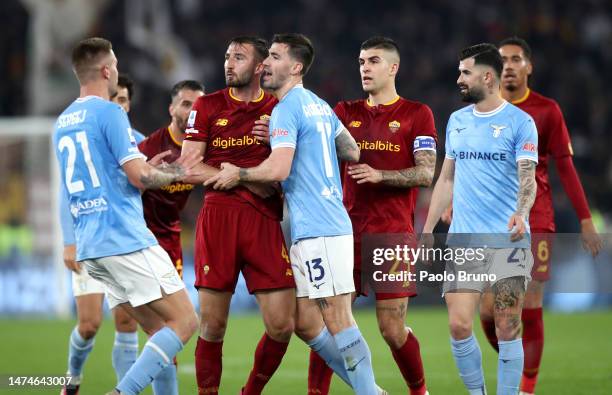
[202, 173]
[441, 198]
[346, 147]
[527, 187]
[420, 175]
[267, 171]
[573, 186]
[152, 178]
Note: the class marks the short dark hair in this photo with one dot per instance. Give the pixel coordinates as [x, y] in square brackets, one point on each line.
[380, 42]
[86, 53]
[261, 45]
[486, 54]
[186, 84]
[515, 40]
[125, 81]
[300, 48]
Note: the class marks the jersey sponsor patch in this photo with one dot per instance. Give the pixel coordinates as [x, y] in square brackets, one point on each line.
[192, 118]
[422, 143]
[530, 147]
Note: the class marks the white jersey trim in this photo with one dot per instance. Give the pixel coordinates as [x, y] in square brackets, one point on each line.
[283, 145]
[128, 158]
[489, 113]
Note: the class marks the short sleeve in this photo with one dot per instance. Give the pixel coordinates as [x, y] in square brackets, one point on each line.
[283, 127]
[449, 151]
[526, 141]
[559, 141]
[118, 133]
[198, 123]
[425, 136]
[66, 221]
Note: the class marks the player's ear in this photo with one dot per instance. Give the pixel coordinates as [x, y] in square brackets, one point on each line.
[296, 69]
[529, 68]
[394, 69]
[259, 68]
[170, 109]
[106, 72]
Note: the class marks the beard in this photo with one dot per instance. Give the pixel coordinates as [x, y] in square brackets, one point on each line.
[271, 84]
[239, 81]
[510, 86]
[472, 95]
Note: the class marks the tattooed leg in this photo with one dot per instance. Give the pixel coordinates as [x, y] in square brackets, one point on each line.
[508, 295]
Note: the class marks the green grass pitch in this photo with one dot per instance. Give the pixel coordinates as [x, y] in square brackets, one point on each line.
[577, 356]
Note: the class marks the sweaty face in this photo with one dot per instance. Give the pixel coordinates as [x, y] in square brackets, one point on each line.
[181, 107]
[517, 68]
[122, 98]
[277, 67]
[471, 81]
[377, 68]
[240, 63]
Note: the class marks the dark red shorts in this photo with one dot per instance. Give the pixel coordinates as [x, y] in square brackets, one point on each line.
[401, 289]
[171, 243]
[541, 248]
[233, 236]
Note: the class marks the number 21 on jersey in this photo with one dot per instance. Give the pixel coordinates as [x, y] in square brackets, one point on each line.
[67, 143]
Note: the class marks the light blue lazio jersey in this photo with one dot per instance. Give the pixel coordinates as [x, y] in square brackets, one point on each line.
[313, 190]
[486, 148]
[92, 140]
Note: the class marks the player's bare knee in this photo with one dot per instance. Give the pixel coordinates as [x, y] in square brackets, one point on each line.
[280, 328]
[535, 295]
[89, 328]
[460, 328]
[508, 328]
[213, 328]
[393, 332]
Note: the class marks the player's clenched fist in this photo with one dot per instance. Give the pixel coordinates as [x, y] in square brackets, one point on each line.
[517, 223]
[261, 131]
[364, 173]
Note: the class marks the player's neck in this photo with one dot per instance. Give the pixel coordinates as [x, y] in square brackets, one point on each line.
[176, 133]
[516, 94]
[95, 89]
[282, 91]
[384, 96]
[490, 103]
[247, 93]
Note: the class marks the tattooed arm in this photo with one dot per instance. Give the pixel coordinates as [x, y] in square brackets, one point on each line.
[421, 175]
[346, 147]
[144, 176]
[525, 198]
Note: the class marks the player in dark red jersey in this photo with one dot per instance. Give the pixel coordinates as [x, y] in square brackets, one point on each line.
[397, 138]
[554, 141]
[162, 207]
[238, 230]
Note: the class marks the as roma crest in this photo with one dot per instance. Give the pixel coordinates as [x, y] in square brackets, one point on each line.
[394, 126]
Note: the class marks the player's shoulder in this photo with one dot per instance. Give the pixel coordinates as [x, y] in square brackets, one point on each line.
[214, 99]
[158, 134]
[463, 112]
[352, 106]
[544, 103]
[408, 106]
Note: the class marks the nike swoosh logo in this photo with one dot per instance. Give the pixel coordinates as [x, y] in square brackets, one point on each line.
[352, 368]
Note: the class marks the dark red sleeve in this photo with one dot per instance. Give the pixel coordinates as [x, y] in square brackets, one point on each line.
[424, 124]
[559, 141]
[145, 147]
[198, 124]
[340, 111]
[573, 187]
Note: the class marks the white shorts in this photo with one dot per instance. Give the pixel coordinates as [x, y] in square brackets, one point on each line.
[138, 277]
[323, 266]
[83, 284]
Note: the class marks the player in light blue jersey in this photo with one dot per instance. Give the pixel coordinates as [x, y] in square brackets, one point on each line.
[307, 139]
[489, 170]
[101, 172]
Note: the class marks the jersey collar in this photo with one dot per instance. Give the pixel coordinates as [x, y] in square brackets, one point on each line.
[175, 141]
[489, 113]
[524, 98]
[258, 99]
